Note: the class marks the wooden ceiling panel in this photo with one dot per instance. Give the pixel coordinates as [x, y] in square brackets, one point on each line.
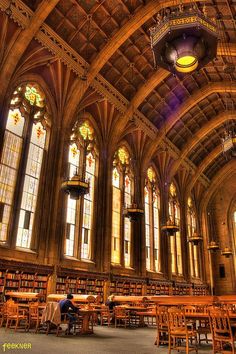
[89, 25]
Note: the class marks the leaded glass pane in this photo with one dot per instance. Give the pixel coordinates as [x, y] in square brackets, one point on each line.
[70, 222]
[88, 208]
[15, 122]
[38, 135]
[10, 159]
[115, 178]
[30, 188]
[116, 205]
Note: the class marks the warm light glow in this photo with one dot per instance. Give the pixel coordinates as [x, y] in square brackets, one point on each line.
[123, 155]
[151, 174]
[86, 131]
[186, 63]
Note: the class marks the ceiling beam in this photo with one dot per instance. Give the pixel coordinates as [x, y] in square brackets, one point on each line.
[199, 135]
[203, 165]
[226, 172]
[220, 87]
[156, 79]
[142, 16]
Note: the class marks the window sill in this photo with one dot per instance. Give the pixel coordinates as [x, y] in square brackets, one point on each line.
[70, 258]
[27, 250]
[4, 244]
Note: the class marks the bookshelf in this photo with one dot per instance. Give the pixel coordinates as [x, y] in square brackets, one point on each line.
[126, 287]
[200, 289]
[2, 281]
[181, 289]
[157, 288]
[20, 277]
[80, 284]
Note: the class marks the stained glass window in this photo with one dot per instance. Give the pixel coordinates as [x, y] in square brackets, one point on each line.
[152, 226]
[88, 209]
[86, 131]
[121, 198]
[33, 95]
[175, 241]
[123, 155]
[127, 226]
[12, 162]
[193, 249]
[116, 215]
[12, 147]
[156, 231]
[79, 218]
[30, 186]
[74, 157]
[147, 228]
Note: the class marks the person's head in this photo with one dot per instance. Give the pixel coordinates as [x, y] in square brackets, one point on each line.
[111, 298]
[70, 296]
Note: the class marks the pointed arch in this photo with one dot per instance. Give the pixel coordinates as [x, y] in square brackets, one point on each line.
[183, 109]
[23, 40]
[205, 130]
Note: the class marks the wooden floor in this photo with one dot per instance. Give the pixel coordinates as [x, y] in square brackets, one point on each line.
[103, 341]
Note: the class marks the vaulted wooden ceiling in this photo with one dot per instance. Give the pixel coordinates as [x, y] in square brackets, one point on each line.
[112, 36]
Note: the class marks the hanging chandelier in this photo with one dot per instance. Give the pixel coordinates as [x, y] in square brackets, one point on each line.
[184, 39]
[227, 252]
[213, 246]
[229, 142]
[195, 238]
[170, 228]
[133, 212]
[75, 186]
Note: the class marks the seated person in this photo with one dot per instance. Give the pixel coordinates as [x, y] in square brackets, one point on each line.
[67, 307]
[110, 302]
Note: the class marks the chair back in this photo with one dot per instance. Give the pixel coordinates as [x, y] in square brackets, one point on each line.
[119, 311]
[12, 309]
[176, 320]
[162, 316]
[105, 310]
[190, 309]
[33, 310]
[220, 323]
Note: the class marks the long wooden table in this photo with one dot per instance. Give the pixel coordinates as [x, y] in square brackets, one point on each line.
[24, 295]
[76, 298]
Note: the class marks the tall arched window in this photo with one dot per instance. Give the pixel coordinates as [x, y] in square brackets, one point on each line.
[193, 249]
[79, 215]
[24, 144]
[152, 222]
[121, 197]
[175, 241]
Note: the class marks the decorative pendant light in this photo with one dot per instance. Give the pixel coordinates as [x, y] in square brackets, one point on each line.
[184, 39]
[170, 228]
[213, 246]
[78, 185]
[133, 212]
[227, 252]
[195, 238]
[75, 187]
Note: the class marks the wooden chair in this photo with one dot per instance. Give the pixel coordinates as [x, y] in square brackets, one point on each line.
[162, 326]
[35, 316]
[179, 331]
[105, 315]
[121, 315]
[222, 337]
[203, 327]
[76, 325]
[3, 314]
[17, 315]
